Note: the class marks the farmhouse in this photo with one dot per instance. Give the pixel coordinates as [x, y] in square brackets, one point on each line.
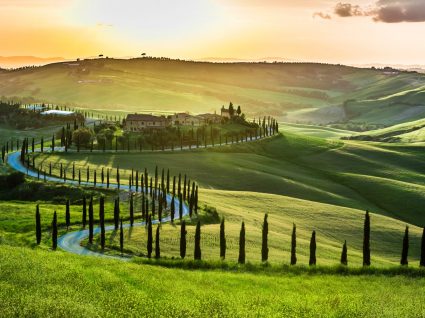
[139, 122]
[55, 112]
[185, 119]
[225, 113]
[211, 118]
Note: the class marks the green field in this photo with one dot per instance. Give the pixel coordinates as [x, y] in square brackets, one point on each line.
[298, 92]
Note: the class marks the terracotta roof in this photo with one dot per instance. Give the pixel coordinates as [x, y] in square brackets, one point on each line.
[144, 117]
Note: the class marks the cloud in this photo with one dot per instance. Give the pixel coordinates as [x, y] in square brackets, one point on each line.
[322, 15]
[387, 11]
[348, 10]
[395, 11]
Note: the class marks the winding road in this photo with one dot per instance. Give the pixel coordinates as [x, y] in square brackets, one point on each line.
[71, 242]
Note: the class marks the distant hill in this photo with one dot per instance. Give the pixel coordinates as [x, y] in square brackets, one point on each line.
[20, 61]
[297, 92]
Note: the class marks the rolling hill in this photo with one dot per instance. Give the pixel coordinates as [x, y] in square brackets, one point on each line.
[302, 92]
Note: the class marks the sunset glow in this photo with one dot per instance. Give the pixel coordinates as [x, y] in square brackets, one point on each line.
[296, 30]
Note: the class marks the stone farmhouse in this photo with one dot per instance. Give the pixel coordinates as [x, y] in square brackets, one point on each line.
[139, 122]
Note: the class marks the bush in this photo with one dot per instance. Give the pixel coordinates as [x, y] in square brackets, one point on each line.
[13, 180]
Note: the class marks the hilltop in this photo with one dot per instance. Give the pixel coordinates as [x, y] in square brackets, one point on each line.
[304, 92]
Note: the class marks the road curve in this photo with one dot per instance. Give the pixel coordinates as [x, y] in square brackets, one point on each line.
[71, 242]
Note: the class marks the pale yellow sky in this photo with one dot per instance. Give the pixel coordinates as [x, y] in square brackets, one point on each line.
[245, 29]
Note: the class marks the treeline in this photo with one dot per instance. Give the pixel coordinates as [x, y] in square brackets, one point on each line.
[153, 247]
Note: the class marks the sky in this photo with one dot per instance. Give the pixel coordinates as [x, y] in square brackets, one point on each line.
[348, 32]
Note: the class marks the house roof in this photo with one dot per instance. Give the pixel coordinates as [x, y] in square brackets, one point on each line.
[145, 117]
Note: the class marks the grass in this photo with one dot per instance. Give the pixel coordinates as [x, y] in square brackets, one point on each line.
[349, 174]
[45, 284]
[276, 89]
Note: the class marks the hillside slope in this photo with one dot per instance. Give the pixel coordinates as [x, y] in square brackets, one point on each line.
[296, 92]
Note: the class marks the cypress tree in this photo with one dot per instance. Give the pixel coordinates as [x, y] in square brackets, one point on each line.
[102, 175]
[197, 253]
[344, 257]
[42, 144]
[153, 207]
[137, 180]
[116, 213]
[312, 260]
[79, 176]
[157, 248]
[102, 221]
[91, 220]
[118, 177]
[174, 186]
[37, 225]
[173, 209]
[241, 259]
[196, 200]
[222, 240]
[168, 180]
[131, 210]
[180, 206]
[366, 240]
[264, 246]
[405, 251]
[67, 215]
[184, 188]
[422, 262]
[121, 238]
[179, 185]
[88, 174]
[149, 244]
[294, 245]
[73, 171]
[107, 178]
[55, 232]
[183, 233]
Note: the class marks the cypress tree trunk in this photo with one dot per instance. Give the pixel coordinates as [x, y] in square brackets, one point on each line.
[121, 238]
[294, 245]
[55, 232]
[222, 240]
[157, 248]
[149, 243]
[102, 221]
[91, 220]
[312, 260]
[264, 246]
[37, 225]
[197, 253]
[405, 250]
[67, 215]
[180, 206]
[173, 209]
[131, 210]
[183, 233]
[241, 259]
[422, 262]
[344, 257]
[84, 216]
[116, 213]
[366, 240]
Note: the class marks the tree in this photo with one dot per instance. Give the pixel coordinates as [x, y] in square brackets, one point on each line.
[102, 221]
[83, 136]
[149, 243]
[84, 216]
[222, 240]
[91, 220]
[121, 238]
[366, 240]
[157, 248]
[344, 257]
[37, 225]
[173, 209]
[294, 245]
[116, 213]
[312, 260]
[239, 111]
[264, 246]
[422, 262]
[405, 251]
[231, 110]
[131, 210]
[180, 206]
[197, 253]
[241, 259]
[54, 232]
[67, 215]
[183, 233]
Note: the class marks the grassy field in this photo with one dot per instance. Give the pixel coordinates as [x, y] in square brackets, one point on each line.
[319, 184]
[387, 179]
[45, 284]
[280, 90]
[8, 133]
